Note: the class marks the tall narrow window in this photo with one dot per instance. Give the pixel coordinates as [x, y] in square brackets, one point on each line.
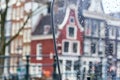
[110, 48]
[118, 50]
[87, 46]
[118, 33]
[76, 65]
[101, 48]
[66, 46]
[39, 51]
[75, 46]
[68, 65]
[95, 28]
[112, 31]
[93, 48]
[87, 27]
[102, 29]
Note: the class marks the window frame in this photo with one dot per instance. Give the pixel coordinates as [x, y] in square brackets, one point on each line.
[75, 32]
[88, 27]
[38, 54]
[111, 29]
[70, 48]
[102, 29]
[96, 49]
[96, 24]
[118, 50]
[87, 44]
[101, 48]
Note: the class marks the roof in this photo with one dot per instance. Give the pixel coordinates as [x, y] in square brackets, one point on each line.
[45, 20]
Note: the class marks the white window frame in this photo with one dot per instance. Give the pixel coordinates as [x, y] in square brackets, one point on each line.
[45, 29]
[102, 30]
[110, 32]
[35, 71]
[75, 32]
[88, 23]
[118, 34]
[96, 53]
[70, 52]
[96, 32]
[63, 65]
[38, 54]
[87, 44]
[101, 47]
[118, 50]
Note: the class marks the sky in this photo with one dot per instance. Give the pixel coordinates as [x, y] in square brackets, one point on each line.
[111, 6]
[108, 5]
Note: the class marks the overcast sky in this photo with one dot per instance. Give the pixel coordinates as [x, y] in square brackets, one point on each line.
[111, 5]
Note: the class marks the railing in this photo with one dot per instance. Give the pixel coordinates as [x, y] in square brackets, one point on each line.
[20, 68]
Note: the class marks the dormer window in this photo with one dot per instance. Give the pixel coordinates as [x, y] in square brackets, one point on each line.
[71, 32]
[46, 29]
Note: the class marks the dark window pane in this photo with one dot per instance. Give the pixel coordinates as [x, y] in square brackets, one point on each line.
[76, 65]
[71, 32]
[75, 47]
[93, 47]
[66, 46]
[68, 65]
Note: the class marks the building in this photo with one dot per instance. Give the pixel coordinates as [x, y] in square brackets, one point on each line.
[96, 41]
[101, 38]
[68, 40]
[20, 46]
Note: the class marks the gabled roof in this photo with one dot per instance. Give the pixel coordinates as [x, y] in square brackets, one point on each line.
[45, 20]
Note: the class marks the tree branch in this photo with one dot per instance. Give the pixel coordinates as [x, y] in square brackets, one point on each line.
[12, 38]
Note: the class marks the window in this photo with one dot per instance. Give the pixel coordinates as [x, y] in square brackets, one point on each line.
[71, 47]
[75, 47]
[87, 27]
[76, 65]
[95, 28]
[93, 48]
[68, 65]
[66, 46]
[46, 29]
[101, 48]
[71, 32]
[39, 51]
[87, 45]
[118, 33]
[112, 32]
[110, 48]
[102, 29]
[118, 50]
[36, 70]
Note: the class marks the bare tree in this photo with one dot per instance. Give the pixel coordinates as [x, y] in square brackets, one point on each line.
[3, 42]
